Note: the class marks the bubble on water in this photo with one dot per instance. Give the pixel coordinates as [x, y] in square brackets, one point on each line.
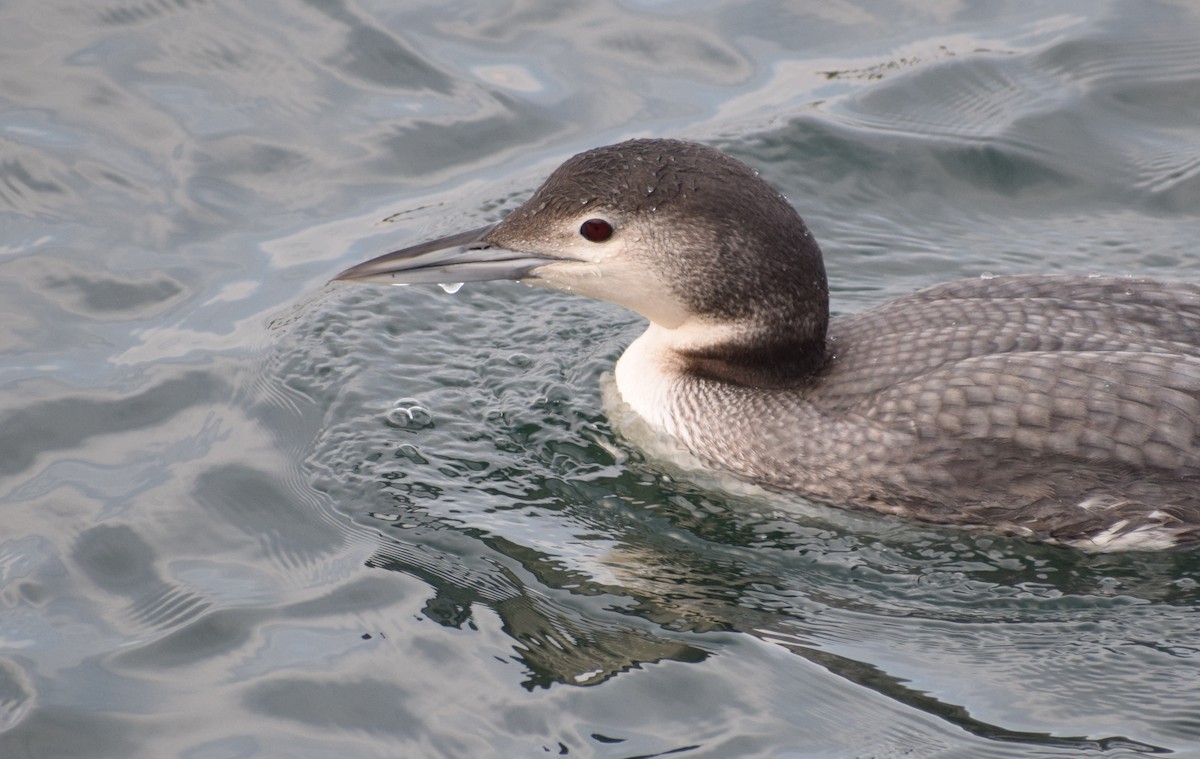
[407, 414]
[410, 452]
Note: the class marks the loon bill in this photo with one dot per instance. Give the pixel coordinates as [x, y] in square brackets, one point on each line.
[1058, 408]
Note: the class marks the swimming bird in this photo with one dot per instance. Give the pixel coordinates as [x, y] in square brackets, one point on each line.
[1056, 408]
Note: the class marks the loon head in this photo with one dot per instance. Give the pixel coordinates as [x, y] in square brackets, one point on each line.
[692, 239]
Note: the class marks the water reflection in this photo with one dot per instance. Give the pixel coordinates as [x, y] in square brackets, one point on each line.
[797, 595]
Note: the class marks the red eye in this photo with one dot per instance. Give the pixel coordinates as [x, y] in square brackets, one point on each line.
[596, 230]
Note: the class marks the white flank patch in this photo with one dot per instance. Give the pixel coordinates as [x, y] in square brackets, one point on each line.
[1149, 537]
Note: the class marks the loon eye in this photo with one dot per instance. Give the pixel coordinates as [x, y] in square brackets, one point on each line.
[596, 230]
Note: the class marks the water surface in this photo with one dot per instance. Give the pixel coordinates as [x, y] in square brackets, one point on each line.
[251, 514]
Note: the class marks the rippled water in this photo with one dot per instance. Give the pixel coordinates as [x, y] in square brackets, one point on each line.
[247, 513]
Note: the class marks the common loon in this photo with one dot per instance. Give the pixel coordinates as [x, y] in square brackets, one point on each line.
[1056, 408]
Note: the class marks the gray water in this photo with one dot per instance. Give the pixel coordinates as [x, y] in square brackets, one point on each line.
[247, 513]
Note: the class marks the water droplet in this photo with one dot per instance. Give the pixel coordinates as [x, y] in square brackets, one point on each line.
[987, 275]
[451, 287]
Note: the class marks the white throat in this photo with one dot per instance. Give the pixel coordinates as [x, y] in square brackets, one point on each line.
[646, 375]
[650, 373]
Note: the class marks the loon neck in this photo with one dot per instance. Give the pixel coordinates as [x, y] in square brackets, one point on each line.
[746, 354]
[770, 362]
